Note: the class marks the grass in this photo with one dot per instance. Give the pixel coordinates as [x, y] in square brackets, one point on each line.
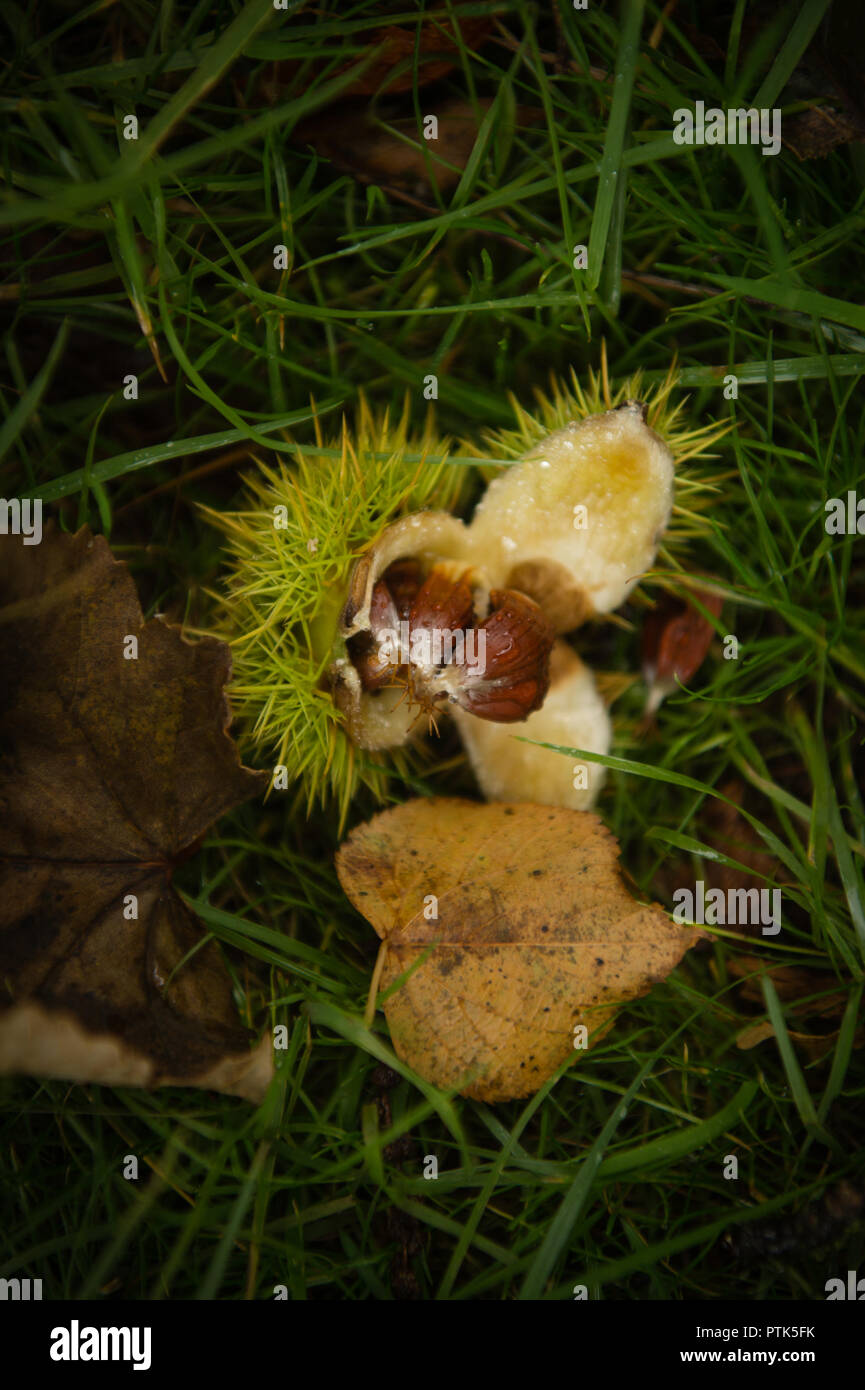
[154, 258]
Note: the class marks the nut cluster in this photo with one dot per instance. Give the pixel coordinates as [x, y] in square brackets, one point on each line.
[429, 637]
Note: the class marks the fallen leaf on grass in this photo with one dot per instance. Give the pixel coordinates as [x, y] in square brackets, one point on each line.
[112, 767]
[815, 133]
[509, 927]
[805, 994]
[812, 993]
[404, 60]
[357, 141]
[815, 1045]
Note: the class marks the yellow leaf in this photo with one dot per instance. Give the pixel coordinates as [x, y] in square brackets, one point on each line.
[513, 930]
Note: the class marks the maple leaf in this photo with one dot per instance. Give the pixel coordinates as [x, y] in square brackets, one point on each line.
[114, 760]
[507, 930]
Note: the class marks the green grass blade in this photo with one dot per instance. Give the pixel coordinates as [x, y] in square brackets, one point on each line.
[612, 167]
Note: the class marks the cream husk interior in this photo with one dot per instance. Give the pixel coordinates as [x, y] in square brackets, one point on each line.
[615, 467]
[573, 716]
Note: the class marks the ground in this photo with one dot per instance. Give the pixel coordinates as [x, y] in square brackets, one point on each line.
[147, 251]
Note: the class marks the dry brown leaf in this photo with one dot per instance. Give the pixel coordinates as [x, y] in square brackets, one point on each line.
[815, 1045]
[804, 991]
[535, 934]
[357, 142]
[392, 69]
[111, 769]
[753, 1034]
[392, 152]
[815, 133]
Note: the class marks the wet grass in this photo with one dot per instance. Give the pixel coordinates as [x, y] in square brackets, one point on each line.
[154, 258]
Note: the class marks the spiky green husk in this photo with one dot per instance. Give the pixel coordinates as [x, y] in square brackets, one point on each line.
[694, 489]
[287, 586]
[280, 609]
